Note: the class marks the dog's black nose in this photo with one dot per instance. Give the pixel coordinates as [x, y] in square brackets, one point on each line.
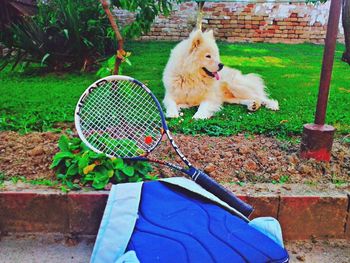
[221, 66]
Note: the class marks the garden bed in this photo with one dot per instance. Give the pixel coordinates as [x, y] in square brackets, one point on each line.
[235, 159]
[263, 171]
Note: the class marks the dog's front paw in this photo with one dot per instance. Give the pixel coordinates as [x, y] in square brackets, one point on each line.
[201, 116]
[253, 105]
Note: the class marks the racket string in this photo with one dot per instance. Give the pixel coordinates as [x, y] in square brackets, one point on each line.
[118, 117]
[136, 113]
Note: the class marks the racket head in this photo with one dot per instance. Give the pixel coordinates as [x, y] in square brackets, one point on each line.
[120, 117]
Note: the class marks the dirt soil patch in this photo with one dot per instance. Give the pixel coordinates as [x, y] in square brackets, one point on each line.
[319, 251]
[228, 159]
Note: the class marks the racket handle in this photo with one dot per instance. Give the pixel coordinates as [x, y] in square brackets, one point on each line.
[218, 190]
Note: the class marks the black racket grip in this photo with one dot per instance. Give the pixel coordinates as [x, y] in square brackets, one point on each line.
[225, 195]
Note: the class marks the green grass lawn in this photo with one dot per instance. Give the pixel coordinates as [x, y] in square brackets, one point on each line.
[35, 102]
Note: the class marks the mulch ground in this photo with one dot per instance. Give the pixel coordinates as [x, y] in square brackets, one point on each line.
[227, 159]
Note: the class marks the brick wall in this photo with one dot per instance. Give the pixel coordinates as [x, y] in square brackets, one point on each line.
[245, 22]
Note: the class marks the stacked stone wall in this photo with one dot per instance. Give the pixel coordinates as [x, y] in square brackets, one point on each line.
[244, 22]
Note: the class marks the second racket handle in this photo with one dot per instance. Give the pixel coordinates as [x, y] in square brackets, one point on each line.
[218, 190]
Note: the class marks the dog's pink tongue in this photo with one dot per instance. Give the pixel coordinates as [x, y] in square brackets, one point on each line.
[216, 75]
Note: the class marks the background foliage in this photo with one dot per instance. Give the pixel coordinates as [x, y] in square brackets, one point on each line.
[65, 34]
[146, 11]
[73, 34]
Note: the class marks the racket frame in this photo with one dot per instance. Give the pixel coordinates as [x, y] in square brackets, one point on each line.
[165, 129]
[193, 172]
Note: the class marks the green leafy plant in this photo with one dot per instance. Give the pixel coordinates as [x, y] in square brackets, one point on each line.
[65, 34]
[145, 13]
[282, 180]
[107, 66]
[337, 182]
[240, 183]
[13, 12]
[39, 181]
[76, 165]
[2, 178]
[346, 139]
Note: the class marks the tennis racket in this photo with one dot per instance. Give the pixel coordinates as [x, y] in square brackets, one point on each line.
[120, 117]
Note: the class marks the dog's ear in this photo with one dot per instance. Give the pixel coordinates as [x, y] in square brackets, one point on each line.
[209, 33]
[196, 40]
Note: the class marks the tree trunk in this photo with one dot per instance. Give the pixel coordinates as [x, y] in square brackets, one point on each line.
[119, 56]
[346, 26]
[199, 15]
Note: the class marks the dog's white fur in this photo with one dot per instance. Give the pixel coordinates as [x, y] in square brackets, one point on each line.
[191, 79]
[248, 90]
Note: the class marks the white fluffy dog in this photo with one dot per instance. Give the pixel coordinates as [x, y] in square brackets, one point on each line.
[192, 78]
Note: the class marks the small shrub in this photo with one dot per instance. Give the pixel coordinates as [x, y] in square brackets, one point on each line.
[76, 165]
[282, 180]
[64, 34]
[2, 178]
[107, 66]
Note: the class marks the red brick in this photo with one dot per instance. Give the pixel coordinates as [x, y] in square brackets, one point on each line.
[347, 226]
[214, 21]
[263, 205]
[220, 6]
[257, 18]
[33, 212]
[274, 40]
[216, 13]
[258, 39]
[86, 212]
[208, 9]
[320, 217]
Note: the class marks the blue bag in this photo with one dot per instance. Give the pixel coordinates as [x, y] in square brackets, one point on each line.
[166, 222]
